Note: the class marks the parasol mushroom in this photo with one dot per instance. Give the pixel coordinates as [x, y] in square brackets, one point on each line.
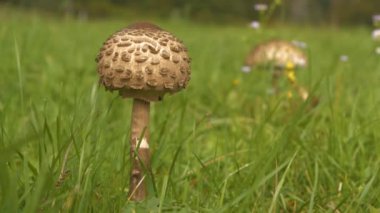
[142, 62]
[282, 56]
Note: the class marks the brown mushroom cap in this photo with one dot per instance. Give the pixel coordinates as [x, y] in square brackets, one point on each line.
[278, 53]
[143, 61]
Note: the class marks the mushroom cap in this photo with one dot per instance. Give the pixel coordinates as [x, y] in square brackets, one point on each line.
[278, 53]
[143, 61]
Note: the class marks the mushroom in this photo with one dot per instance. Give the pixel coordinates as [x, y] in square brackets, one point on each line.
[277, 53]
[282, 56]
[142, 62]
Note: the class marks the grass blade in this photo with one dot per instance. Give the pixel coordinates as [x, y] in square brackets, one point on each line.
[312, 202]
[280, 184]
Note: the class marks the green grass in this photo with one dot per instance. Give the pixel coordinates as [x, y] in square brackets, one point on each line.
[217, 146]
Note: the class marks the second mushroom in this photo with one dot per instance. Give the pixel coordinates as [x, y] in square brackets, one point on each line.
[282, 56]
[142, 62]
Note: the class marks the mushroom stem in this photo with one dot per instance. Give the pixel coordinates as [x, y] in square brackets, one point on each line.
[275, 77]
[139, 150]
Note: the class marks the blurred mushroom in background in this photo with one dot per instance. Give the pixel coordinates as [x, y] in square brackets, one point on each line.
[281, 57]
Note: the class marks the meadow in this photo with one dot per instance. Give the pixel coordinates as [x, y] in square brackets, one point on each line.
[221, 145]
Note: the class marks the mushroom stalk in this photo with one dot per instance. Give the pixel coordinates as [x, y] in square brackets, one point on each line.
[275, 77]
[139, 150]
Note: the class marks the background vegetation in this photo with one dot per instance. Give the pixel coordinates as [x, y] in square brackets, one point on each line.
[221, 145]
[333, 12]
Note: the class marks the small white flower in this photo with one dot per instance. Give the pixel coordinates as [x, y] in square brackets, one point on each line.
[255, 24]
[343, 58]
[261, 7]
[376, 35]
[300, 44]
[377, 50]
[376, 19]
[245, 69]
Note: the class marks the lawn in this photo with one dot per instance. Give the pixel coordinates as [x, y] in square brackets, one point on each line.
[221, 145]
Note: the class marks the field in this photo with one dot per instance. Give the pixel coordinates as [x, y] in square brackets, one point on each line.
[221, 145]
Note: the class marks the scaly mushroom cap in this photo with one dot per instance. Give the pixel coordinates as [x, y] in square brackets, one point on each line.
[278, 53]
[143, 61]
